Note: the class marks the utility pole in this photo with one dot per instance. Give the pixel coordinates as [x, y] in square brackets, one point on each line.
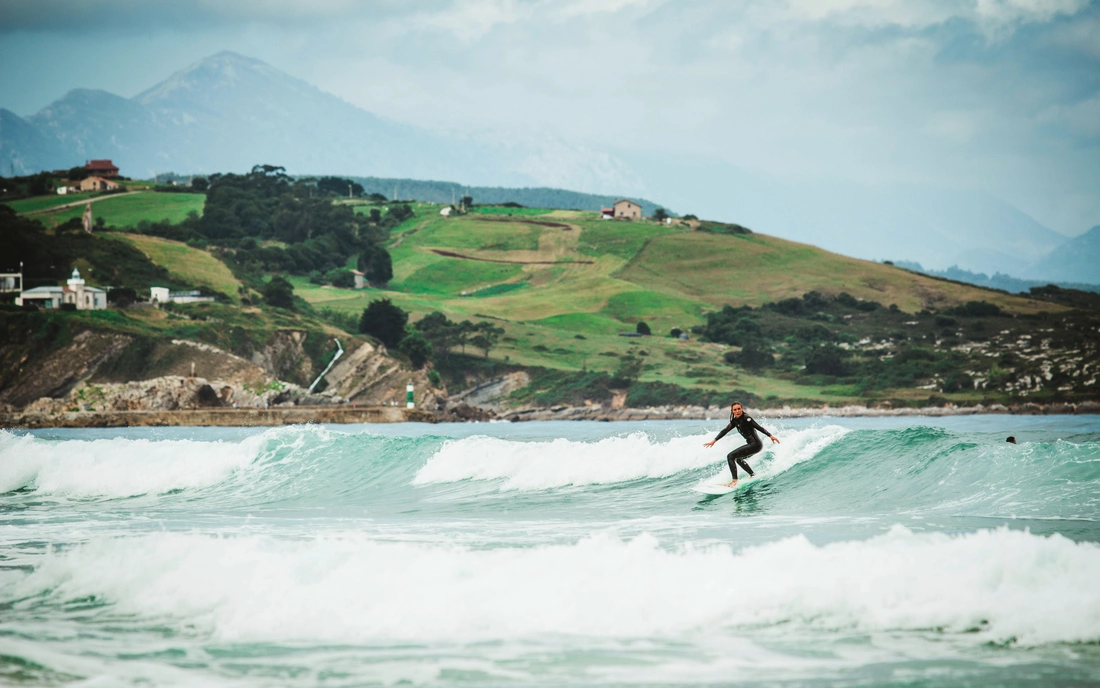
[395, 193]
[349, 190]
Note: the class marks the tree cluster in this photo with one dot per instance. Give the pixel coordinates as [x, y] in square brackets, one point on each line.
[267, 222]
[434, 335]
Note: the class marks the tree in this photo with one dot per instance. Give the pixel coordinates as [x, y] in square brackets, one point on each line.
[486, 336]
[826, 360]
[660, 215]
[279, 293]
[341, 279]
[384, 321]
[376, 265]
[629, 370]
[643, 328]
[416, 347]
[467, 201]
[752, 357]
[443, 333]
[199, 184]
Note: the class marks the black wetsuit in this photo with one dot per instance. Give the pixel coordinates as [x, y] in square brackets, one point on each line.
[747, 427]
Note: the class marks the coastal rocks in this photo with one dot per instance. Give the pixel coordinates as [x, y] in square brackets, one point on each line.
[367, 375]
[490, 395]
[283, 357]
[174, 393]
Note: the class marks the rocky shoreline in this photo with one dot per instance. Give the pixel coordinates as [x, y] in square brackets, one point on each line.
[700, 413]
[348, 413]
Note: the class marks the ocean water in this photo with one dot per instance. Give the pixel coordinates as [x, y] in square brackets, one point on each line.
[873, 552]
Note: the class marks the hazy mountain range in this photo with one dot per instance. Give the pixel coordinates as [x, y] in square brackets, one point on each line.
[229, 112]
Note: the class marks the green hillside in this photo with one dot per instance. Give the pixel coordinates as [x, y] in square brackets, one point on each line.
[770, 320]
[565, 285]
[185, 264]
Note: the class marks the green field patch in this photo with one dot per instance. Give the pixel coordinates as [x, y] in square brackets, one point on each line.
[497, 289]
[582, 323]
[639, 305]
[496, 210]
[486, 235]
[30, 205]
[452, 276]
[622, 239]
[128, 211]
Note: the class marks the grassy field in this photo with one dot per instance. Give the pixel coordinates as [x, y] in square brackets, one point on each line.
[128, 211]
[40, 203]
[185, 264]
[564, 293]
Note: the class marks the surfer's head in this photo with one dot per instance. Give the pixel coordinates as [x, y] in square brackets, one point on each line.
[736, 409]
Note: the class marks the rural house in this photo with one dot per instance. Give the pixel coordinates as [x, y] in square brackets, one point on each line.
[85, 298]
[97, 184]
[164, 295]
[627, 208]
[102, 168]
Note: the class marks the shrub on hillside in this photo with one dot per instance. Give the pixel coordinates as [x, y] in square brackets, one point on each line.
[826, 360]
[384, 321]
[976, 309]
[416, 347]
[279, 293]
[751, 357]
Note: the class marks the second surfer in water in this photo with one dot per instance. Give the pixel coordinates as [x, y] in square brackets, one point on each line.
[747, 427]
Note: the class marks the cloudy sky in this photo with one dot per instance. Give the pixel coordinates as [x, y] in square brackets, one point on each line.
[1001, 96]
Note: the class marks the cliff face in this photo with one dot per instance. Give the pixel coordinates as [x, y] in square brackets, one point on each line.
[53, 370]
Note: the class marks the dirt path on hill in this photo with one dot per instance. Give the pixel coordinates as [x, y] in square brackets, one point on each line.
[407, 234]
[76, 204]
[452, 254]
[540, 223]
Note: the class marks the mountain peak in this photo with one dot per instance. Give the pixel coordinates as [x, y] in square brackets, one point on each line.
[219, 72]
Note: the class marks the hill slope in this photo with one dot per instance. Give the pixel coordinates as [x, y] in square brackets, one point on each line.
[565, 286]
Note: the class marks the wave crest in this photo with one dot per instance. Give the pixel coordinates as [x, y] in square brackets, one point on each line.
[992, 585]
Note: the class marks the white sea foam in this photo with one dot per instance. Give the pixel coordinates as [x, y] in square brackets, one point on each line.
[1001, 585]
[562, 462]
[118, 467]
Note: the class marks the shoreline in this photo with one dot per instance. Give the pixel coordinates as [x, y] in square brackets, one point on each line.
[342, 414]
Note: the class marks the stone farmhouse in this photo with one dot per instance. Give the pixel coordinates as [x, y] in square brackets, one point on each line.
[628, 209]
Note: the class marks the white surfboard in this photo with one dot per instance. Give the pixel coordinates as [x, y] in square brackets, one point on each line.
[716, 485]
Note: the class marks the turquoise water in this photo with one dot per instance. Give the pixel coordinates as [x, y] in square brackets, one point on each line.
[901, 551]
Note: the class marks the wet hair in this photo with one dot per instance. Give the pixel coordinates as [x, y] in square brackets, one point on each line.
[1012, 439]
[737, 403]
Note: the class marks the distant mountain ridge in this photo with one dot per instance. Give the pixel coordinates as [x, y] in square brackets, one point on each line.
[1077, 260]
[229, 112]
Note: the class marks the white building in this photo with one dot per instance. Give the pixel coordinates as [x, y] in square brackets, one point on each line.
[85, 298]
[163, 295]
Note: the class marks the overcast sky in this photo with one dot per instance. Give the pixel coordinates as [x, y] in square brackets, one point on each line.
[996, 95]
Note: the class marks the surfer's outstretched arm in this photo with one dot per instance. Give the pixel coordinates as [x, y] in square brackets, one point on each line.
[760, 427]
[720, 435]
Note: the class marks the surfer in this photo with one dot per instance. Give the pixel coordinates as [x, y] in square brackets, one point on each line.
[747, 427]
